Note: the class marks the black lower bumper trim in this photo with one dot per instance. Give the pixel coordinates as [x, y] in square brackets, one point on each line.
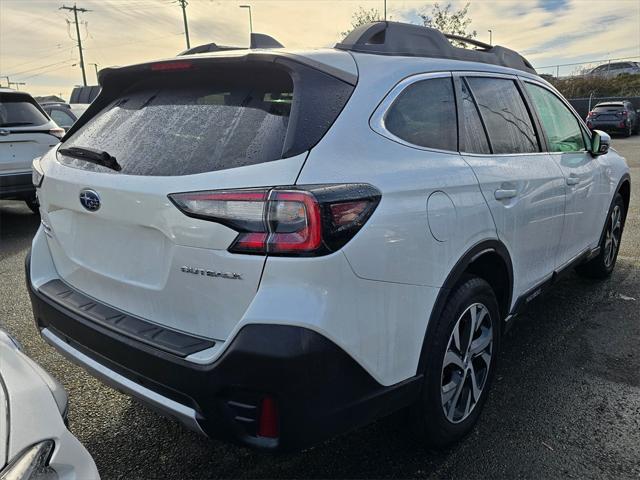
[320, 391]
[171, 341]
[16, 185]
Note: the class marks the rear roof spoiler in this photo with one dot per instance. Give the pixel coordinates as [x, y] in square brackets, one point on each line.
[403, 39]
[257, 40]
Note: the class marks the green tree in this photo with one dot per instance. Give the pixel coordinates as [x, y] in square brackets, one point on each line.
[448, 20]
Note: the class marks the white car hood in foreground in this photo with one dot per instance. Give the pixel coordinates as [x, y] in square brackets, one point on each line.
[31, 406]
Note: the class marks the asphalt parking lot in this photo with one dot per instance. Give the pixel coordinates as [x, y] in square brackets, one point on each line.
[566, 401]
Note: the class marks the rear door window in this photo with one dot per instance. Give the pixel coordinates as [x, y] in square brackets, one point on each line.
[561, 126]
[505, 115]
[19, 110]
[424, 114]
[179, 125]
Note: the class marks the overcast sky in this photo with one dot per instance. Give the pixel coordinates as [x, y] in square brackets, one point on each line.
[36, 44]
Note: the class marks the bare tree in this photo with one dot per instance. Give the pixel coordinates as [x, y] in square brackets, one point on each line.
[445, 19]
[363, 16]
[448, 20]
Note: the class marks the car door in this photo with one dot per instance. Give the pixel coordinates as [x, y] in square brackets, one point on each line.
[565, 140]
[522, 185]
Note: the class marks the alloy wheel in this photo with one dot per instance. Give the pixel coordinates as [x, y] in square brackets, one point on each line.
[466, 363]
[612, 236]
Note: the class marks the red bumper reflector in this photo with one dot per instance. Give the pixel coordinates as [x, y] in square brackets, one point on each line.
[268, 426]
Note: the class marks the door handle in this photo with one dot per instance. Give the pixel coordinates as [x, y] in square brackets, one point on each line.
[573, 180]
[502, 194]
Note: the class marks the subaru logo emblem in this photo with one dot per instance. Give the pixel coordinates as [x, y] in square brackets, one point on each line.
[90, 199]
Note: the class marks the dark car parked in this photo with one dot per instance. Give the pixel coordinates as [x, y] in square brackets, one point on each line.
[614, 117]
[64, 114]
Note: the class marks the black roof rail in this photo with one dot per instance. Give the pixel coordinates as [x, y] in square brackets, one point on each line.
[258, 40]
[404, 39]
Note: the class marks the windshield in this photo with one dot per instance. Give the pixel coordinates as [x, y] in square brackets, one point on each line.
[181, 125]
[20, 110]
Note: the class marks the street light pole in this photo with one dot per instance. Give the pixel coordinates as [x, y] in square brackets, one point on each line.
[490, 37]
[248, 7]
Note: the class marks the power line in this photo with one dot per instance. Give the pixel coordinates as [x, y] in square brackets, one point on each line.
[75, 11]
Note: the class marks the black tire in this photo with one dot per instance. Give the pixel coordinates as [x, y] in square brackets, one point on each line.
[603, 264]
[428, 418]
[33, 204]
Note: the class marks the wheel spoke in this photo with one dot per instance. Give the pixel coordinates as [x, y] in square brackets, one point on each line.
[475, 389]
[467, 407]
[486, 358]
[454, 402]
[452, 358]
[482, 342]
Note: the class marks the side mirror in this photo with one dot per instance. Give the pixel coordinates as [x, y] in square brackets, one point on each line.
[600, 142]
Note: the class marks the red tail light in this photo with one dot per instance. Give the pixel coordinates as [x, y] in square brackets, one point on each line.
[591, 114]
[268, 425]
[171, 66]
[316, 220]
[623, 113]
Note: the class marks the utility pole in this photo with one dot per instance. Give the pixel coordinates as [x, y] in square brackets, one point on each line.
[183, 4]
[17, 84]
[385, 10]
[75, 11]
[490, 37]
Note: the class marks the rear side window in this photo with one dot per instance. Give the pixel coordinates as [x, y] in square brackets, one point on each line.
[562, 128]
[62, 118]
[18, 110]
[181, 125]
[474, 137]
[505, 115]
[424, 114]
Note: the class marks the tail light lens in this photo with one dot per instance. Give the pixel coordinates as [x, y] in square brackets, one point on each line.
[623, 113]
[292, 221]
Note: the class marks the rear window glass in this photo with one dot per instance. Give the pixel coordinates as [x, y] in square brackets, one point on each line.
[608, 108]
[505, 115]
[178, 125]
[425, 115]
[20, 111]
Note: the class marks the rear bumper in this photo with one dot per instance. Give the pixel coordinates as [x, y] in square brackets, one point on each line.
[16, 185]
[608, 127]
[319, 390]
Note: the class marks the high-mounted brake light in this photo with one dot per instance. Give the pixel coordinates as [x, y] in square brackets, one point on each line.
[308, 221]
[171, 66]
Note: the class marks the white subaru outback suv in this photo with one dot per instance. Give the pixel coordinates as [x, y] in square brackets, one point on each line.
[276, 246]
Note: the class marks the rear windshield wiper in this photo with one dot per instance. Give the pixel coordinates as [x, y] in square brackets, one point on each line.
[91, 155]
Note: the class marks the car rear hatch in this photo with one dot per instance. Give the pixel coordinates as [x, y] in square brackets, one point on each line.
[608, 114]
[179, 126]
[25, 132]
